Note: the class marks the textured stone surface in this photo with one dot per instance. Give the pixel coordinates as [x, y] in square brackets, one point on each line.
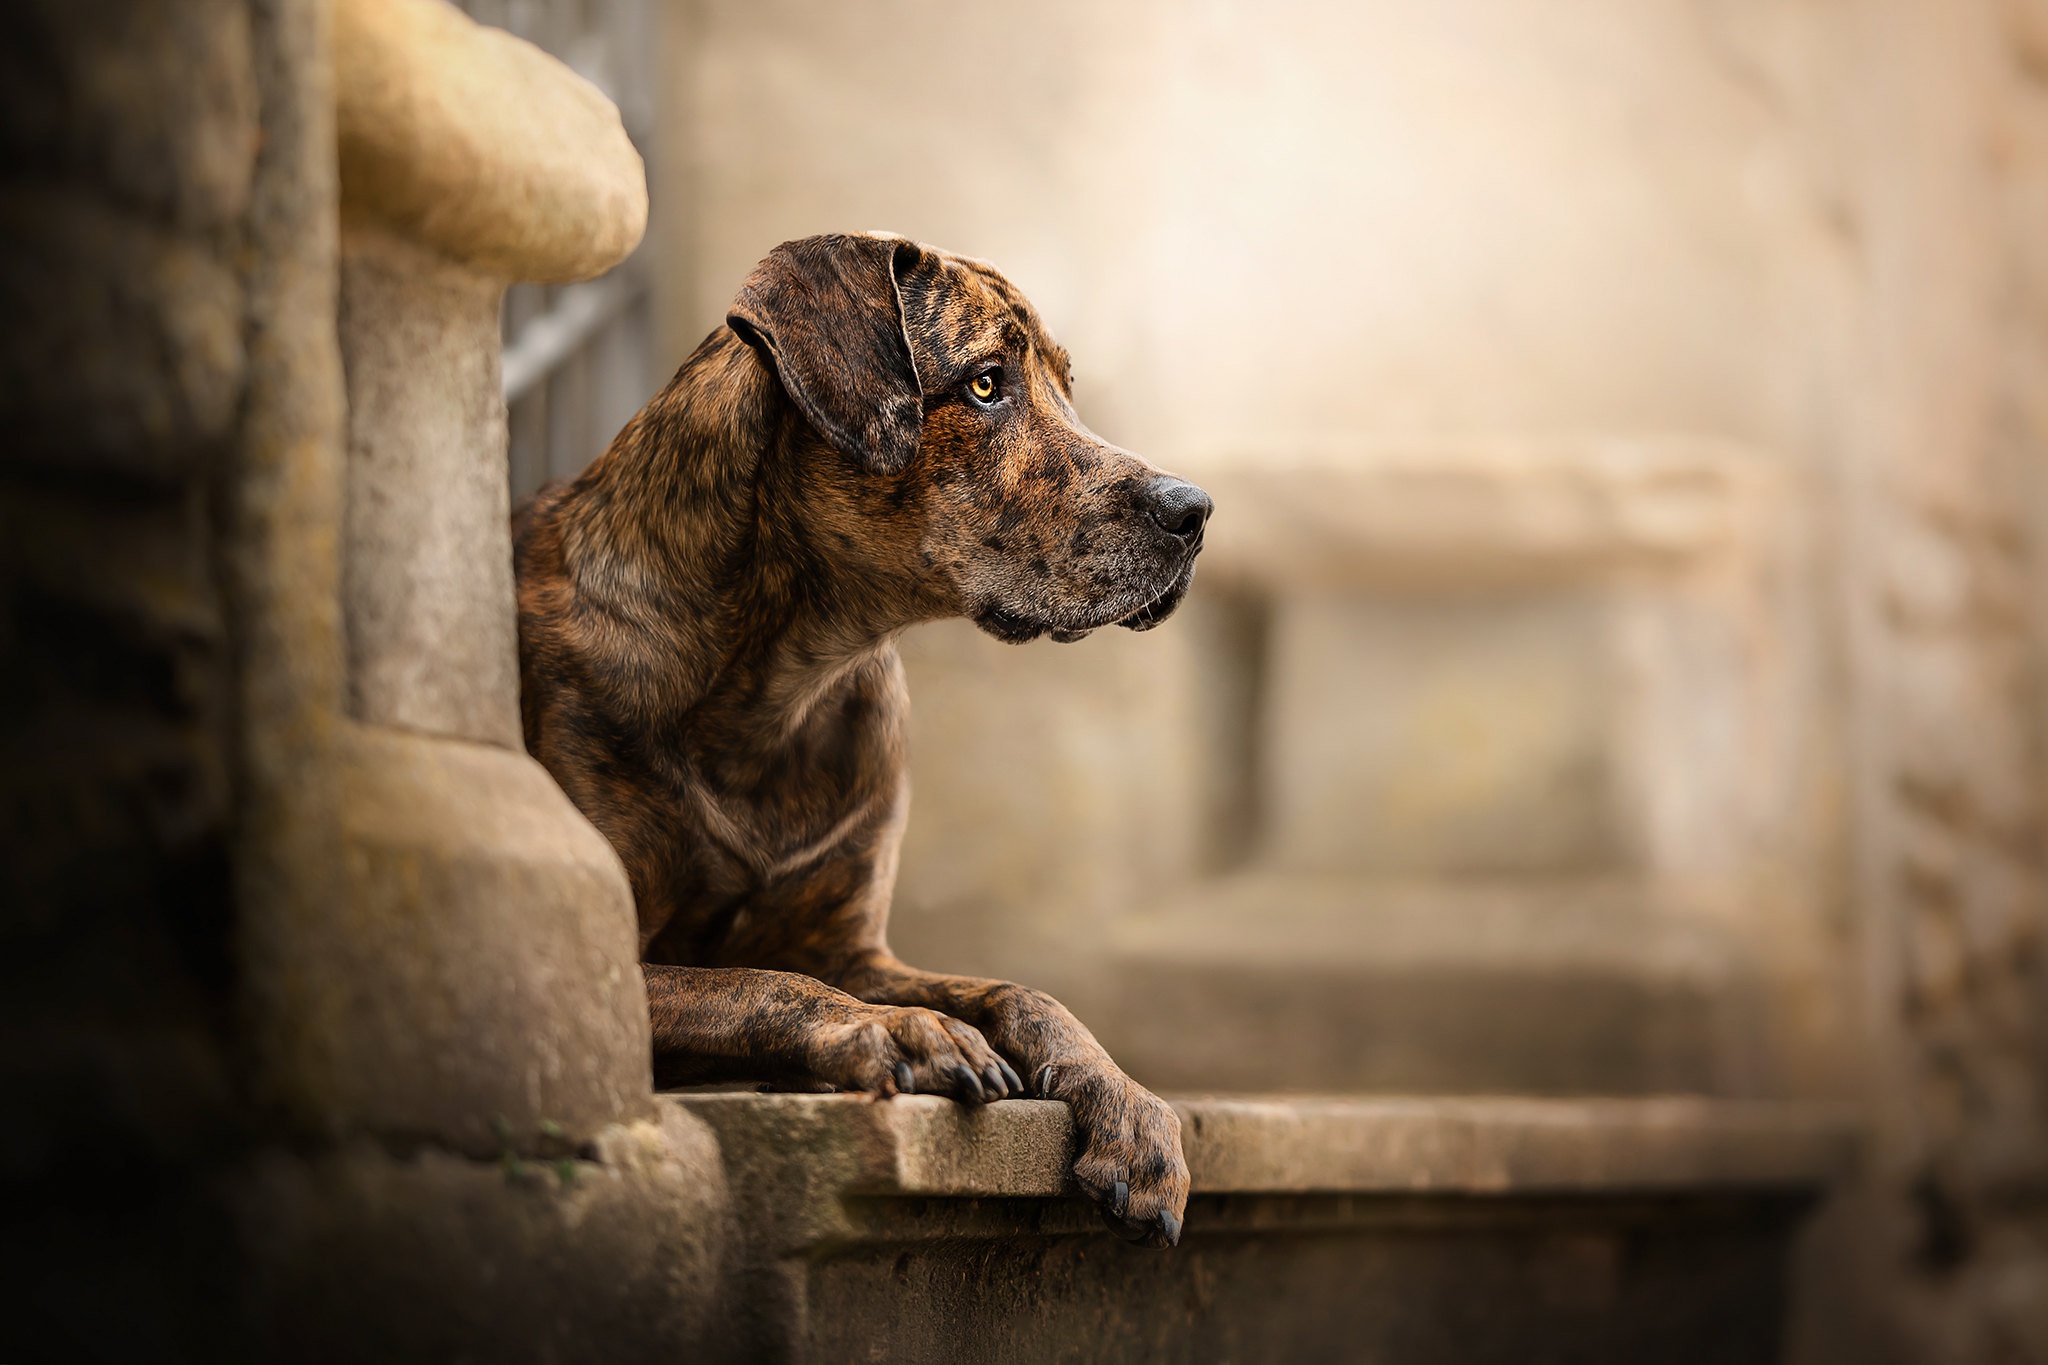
[200, 987]
[158, 201]
[479, 987]
[613, 1250]
[479, 980]
[1318, 1229]
[433, 639]
[481, 145]
[919, 1145]
[132, 143]
[1512, 1281]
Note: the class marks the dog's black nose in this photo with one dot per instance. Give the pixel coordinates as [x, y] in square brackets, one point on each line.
[1176, 507]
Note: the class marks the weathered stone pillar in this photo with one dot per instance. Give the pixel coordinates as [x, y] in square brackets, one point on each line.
[480, 989]
[458, 1030]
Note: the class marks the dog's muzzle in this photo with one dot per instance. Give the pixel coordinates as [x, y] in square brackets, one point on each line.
[1175, 511]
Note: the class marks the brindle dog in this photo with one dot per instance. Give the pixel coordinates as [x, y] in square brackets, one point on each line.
[881, 434]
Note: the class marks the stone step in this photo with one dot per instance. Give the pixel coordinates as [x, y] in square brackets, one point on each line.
[1290, 983]
[1421, 1230]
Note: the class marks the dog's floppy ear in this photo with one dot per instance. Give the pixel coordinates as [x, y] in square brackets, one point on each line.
[824, 312]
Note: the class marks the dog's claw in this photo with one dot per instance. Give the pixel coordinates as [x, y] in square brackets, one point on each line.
[1120, 1197]
[969, 1085]
[1010, 1077]
[992, 1081]
[1170, 1227]
[1041, 1084]
[904, 1081]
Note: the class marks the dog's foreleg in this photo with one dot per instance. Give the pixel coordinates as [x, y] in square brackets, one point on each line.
[1131, 1163]
[720, 1024]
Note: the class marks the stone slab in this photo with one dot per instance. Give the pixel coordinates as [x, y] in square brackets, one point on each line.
[923, 1145]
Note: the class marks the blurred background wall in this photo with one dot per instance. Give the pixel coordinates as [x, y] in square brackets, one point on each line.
[1616, 665]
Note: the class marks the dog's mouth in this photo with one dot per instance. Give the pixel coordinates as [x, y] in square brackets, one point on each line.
[1016, 628]
[1164, 605]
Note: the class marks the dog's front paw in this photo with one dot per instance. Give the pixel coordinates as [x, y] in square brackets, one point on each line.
[903, 1050]
[1131, 1163]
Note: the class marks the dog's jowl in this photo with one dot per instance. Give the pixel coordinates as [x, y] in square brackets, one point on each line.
[881, 434]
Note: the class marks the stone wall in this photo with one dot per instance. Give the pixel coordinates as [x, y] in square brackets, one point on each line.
[1942, 563]
[163, 195]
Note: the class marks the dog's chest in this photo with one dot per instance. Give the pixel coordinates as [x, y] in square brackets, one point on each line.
[766, 814]
[751, 839]
[752, 867]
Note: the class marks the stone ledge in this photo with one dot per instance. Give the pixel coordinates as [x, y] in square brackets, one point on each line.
[925, 1146]
[1474, 1230]
[1510, 1146]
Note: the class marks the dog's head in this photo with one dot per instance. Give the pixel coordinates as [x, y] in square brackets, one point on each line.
[949, 412]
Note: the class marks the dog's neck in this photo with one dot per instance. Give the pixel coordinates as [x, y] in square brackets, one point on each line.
[689, 531]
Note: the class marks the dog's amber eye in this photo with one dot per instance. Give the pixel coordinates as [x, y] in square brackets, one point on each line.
[984, 386]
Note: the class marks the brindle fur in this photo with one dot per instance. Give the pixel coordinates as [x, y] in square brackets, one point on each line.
[707, 626]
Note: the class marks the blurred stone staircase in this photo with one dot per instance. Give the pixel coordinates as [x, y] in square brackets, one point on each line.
[1490, 768]
[1267, 982]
